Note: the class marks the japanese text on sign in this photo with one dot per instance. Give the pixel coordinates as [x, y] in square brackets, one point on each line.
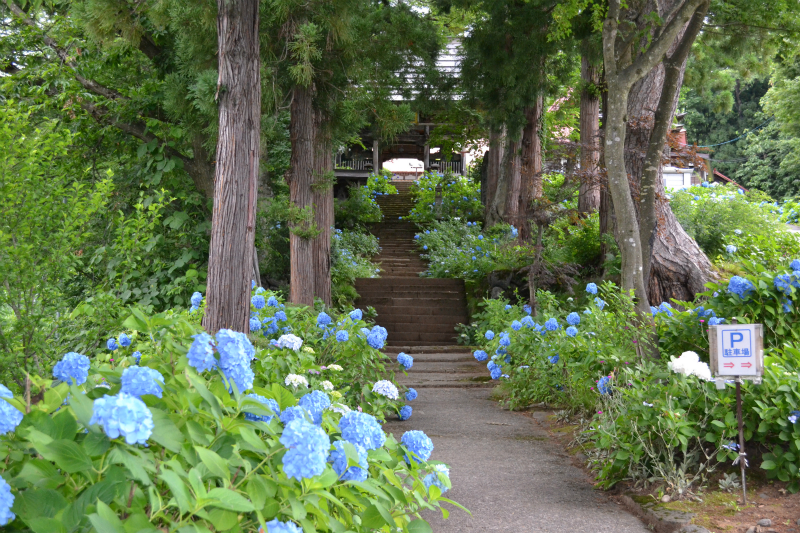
[736, 349]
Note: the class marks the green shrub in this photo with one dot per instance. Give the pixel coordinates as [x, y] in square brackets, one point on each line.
[711, 215]
[350, 259]
[461, 198]
[205, 465]
[358, 209]
[574, 240]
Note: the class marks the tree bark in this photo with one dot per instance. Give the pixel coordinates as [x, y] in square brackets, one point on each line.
[509, 173]
[301, 196]
[589, 189]
[230, 262]
[323, 209]
[531, 168]
[495, 156]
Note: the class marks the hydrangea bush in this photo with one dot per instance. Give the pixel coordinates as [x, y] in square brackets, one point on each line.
[461, 198]
[198, 444]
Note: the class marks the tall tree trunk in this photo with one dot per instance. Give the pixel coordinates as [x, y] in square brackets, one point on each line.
[323, 209]
[230, 262]
[531, 168]
[301, 196]
[589, 190]
[509, 174]
[673, 264]
[494, 164]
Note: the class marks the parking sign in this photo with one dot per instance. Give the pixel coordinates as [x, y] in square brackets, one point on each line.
[736, 350]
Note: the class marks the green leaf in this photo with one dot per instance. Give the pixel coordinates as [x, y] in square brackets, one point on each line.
[177, 487]
[65, 426]
[259, 491]
[228, 499]
[105, 520]
[216, 465]
[252, 439]
[38, 503]
[135, 465]
[223, 519]
[165, 432]
[67, 455]
[298, 509]
[81, 406]
[768, 465]
[46, 525]
[202, 390]
[372, 518]
[95, 444]
[419, 526]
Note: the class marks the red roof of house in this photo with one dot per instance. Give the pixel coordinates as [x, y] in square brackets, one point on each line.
[726, 178]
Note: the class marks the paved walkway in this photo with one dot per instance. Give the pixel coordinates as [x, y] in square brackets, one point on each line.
[504, 468]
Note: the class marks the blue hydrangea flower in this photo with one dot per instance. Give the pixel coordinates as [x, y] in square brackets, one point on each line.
[123, 415]
[124, 340]
[480, 355]
[553, 358]
[315, 403]
[280, 316]
[489, 334]
[255, 324]
[138, 381]
[740, 286]
[308, 447]
[356, 314]
[787, 305]
[339, 459]
[201, 353]
[591, 288]
[417, 443]
[293, 413]
[527, 309]
[197, 299]
[269, 403]
[600, 303]
[496, 372]
[252, 284]
[665, 308]
[551, 324]
[507, 307]
[504, 340]
[193, 308]
[795, 265]
[572, 331]
[714, 321]
[10, 416]
[385, 388]
[111, 344]
[137, 356]
[362, 429]
[258, 301]
[272, 302]
[323, 319]
[411, 395]
[573, 319]
[235, 354]
[72, 369]
[434, 478]
[342, 335]
[793, 416]
[405, 412]
[377, 337]
[6, 503]
[604, 385]
[516, 325]
[783, 284]
[406, 360]
[274, 526]
[5, 392]
[731, 249]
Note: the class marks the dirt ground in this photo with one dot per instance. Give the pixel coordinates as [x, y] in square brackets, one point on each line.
[719, 511]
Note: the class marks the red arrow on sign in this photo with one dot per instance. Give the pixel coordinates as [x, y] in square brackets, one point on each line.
[728, 365]
[747, 365]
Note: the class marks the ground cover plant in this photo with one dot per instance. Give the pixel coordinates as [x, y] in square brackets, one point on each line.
[171, 429]
[460, 197]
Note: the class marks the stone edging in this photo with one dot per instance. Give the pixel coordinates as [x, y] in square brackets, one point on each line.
[662, 520]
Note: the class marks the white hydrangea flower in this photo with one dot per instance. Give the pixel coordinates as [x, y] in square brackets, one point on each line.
[339, 408]
[335, 367]
[295, 381]
[308, 349]
[386, 388]
[289, 341]
[327, 385]
[689, 364]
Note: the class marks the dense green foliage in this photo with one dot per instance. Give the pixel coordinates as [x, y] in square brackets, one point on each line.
[458, 196]
[210, 461]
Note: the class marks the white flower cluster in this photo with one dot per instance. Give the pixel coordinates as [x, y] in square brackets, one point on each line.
[335, 367]
[689, 364]
[295, 381]
[339, 408]
[290, 341]
[327, 385]
[385, 388]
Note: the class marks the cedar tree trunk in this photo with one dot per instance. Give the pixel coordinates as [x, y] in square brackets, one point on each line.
[323, 210]
[301, 196]
[531, 168]
[494, 164]
[589, 190]
[230, 262]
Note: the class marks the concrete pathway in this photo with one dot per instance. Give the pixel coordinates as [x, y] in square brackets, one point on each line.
[504, 468]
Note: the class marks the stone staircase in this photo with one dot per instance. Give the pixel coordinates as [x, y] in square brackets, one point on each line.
[415, 311]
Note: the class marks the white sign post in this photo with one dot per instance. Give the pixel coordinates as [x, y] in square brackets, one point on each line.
[737, 351]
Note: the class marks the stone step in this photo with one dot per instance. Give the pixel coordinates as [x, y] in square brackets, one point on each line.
[421, 282]
[442, 329]
[447, 380]
[392, 310]
[404, 337]
[430, 349]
